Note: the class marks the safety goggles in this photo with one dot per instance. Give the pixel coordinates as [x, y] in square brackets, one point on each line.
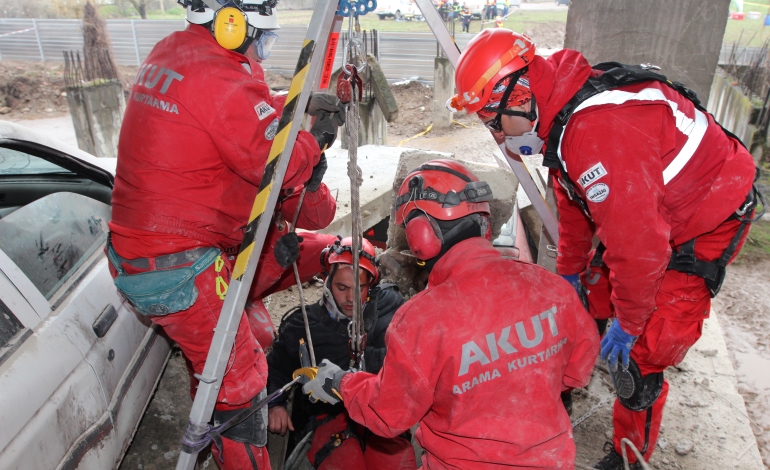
[265, 43]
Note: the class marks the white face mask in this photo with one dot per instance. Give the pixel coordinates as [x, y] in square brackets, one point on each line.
[527, 144]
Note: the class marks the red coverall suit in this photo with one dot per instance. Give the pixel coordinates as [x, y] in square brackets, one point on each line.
[479, 359]
[195, 138]
[655, 173]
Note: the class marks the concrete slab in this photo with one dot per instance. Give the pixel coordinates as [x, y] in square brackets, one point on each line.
[378, 166]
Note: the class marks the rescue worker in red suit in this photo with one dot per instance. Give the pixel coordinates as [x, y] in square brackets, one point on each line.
[328, 322]
[647, 172]
[480, 357]
[193, 149]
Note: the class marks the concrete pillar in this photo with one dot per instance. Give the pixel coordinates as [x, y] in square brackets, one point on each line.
[443, 89]
[77, 105]
[97, 113]
[105, 104]
[373, 129]
[683, 37]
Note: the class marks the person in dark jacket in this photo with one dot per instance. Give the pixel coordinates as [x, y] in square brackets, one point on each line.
[329, 320]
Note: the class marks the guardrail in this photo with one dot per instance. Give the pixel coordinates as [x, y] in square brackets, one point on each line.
[402, 55]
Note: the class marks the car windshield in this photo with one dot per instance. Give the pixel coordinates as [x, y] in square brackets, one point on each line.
[13, 163]
[49, 239]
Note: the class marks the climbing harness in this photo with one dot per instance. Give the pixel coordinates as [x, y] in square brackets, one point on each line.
[617, 75]
[350, 92]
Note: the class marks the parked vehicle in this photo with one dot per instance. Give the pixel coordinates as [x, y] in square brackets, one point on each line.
[476, 7]
[563, 2]
[396, 9]
[77, 364]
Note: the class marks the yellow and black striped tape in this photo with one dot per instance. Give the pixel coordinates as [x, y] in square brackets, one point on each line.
[279, 144]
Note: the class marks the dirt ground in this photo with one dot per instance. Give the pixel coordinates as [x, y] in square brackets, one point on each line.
[31, 90]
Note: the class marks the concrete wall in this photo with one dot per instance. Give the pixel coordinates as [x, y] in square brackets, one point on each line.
[731, 108]
[683, 37]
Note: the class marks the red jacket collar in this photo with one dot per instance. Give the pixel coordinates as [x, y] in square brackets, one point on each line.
[462, 257]
[205, 34]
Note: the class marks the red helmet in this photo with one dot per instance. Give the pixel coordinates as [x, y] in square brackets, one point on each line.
[489, 57]
[437, 203]
[444, 189]
[341, 252]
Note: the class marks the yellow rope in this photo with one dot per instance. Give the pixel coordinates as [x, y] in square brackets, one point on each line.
[416, 135]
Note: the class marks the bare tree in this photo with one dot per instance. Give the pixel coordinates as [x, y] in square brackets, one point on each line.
[97, 48]
[141, 7]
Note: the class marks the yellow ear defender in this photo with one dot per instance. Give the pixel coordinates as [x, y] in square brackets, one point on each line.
[230, 27]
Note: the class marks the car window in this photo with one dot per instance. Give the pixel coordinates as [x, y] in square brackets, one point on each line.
[13, 162]
[49, 239]
[9, 325]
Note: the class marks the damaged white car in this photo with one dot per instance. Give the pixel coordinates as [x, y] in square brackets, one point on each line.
[77, 364]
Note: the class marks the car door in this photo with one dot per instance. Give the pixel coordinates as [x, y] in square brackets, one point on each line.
[49, 395]
[57, 245]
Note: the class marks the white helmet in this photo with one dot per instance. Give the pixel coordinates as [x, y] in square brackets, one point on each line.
[260, 13]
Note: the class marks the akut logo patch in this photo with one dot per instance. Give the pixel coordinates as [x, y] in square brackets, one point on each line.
[592, 175]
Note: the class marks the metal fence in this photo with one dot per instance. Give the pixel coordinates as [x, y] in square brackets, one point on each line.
[402, 55]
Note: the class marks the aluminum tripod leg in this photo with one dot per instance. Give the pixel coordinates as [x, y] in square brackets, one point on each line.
[308, 70]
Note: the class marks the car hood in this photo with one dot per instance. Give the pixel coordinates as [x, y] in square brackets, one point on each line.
[18, 137]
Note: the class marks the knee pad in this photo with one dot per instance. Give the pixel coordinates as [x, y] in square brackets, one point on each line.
[635, 391]
[252, 430]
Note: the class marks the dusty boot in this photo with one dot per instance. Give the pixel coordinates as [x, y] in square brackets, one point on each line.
[613, 460]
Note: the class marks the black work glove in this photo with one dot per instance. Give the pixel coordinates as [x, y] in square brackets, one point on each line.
[323, 102]
[286, 249]
[319, 170]
[324, 128]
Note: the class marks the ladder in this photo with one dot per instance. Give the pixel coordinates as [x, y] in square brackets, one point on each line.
[309, 66]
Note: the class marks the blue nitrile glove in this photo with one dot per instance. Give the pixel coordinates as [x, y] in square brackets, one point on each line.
[574, 281]
[616, 342]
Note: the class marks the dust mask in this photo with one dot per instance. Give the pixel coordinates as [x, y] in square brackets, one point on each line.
[526, 144]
